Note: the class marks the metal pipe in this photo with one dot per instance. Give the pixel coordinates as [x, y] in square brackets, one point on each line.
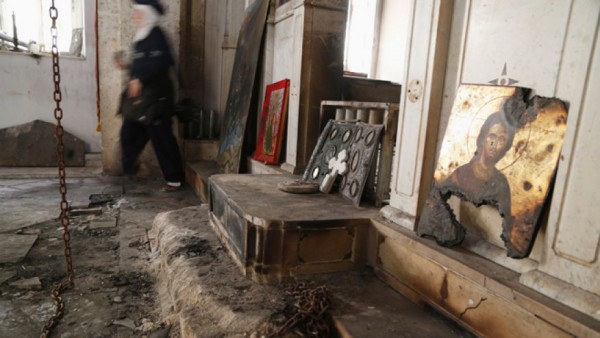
[212, 124]
[15, 38]
[11, 40]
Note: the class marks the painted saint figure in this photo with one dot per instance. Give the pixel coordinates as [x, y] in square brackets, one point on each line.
[479, 180]
[515, 180]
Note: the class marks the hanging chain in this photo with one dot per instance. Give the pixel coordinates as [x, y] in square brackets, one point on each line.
[60, 150]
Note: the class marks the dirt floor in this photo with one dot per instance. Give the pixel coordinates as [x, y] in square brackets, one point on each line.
[113, 294]
[117, 290]
[139, 275]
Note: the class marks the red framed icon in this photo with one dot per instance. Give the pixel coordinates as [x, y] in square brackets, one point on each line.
[272, 122]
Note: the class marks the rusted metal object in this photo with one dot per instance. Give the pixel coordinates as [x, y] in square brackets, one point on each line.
[64, 219]
[499, 150]
[306, 311]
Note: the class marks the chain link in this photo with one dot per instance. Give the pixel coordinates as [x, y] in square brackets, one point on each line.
[306, 310]
[60, 152]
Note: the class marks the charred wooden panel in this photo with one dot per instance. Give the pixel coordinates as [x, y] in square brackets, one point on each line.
[501, 150]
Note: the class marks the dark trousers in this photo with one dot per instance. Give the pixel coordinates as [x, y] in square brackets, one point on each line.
[134, 137]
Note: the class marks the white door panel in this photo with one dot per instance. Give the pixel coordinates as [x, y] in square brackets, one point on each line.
[526, 36]
[574, 224]
[552, 48]
[419, 104]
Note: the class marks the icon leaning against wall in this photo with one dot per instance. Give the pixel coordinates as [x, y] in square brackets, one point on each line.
[500, 149]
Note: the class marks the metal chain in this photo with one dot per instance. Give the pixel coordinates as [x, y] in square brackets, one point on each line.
[306, 311]
[60, 151]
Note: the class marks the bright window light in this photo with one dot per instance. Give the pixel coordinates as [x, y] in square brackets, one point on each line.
[360, 34]
[33, 23]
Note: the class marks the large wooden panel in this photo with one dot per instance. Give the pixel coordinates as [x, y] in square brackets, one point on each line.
[242, 84]
[482, 303]
[307, 48]
[420, 106]
[498, 150]
[295, 87]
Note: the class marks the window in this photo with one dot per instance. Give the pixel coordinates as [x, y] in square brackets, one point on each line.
[32, 23]
[361, 37]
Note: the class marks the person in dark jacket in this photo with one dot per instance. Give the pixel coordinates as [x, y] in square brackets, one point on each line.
[150, 93]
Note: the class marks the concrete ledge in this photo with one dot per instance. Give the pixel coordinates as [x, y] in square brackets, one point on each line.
[200, 150]
[197, 174]
[48, 172]
[199, 286]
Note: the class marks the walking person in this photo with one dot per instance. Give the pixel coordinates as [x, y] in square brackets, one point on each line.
[147, 102]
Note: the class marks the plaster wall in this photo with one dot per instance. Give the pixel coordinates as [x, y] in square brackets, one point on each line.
[26, 88]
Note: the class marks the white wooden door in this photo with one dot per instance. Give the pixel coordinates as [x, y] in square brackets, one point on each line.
[426, 47]
[574, 226]
[552, 48]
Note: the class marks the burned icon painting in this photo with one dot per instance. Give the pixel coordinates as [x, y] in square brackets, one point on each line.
[500, 149]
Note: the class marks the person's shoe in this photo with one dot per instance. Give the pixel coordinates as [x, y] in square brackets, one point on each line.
[172, 187]
[169, 188]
